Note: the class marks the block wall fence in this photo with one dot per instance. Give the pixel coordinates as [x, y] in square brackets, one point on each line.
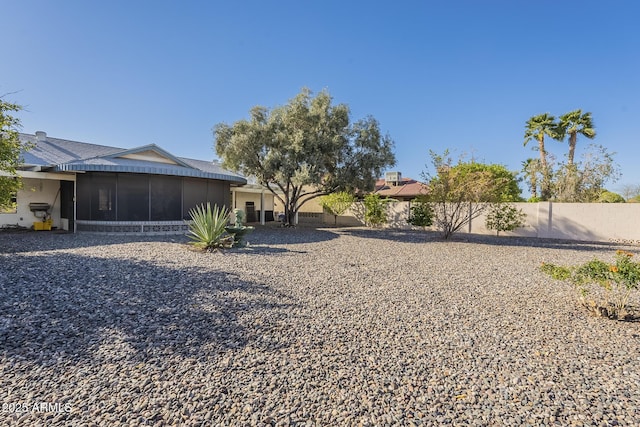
[595, 222]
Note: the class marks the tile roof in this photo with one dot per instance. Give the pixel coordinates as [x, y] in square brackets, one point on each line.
[56, 154]
[407, 188]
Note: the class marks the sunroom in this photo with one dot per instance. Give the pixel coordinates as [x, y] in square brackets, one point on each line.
[88, 187]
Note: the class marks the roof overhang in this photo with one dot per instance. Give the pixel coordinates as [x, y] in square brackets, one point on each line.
[57, 176]
[154, 169]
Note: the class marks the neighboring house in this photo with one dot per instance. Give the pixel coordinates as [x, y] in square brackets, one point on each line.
[396, 187]
[392, 186]
[255, 200]
[310, 211]
[88, 187]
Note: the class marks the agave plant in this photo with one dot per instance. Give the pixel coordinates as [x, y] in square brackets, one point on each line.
[207, 227]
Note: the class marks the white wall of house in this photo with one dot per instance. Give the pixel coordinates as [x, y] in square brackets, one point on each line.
[243, 198]
[34, 190]
[262, 199]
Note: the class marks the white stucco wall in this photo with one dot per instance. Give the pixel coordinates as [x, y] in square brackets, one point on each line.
[242, 198]
[242, 195]
[34, 190]
[600, 222]
[603, 222]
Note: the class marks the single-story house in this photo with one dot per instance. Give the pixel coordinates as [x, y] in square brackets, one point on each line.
[89, 187]
[395, 186]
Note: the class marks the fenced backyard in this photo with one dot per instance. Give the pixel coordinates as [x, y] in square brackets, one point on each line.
[333, 326]
[602, 222]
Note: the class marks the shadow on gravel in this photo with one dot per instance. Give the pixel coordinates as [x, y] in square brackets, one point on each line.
[272, 235]
[45, 241]
[58, 308]
[29, 241]
[403, 236]
[252, 249]
[419, 236]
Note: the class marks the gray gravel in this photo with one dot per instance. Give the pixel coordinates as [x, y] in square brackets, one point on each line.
[306, 327]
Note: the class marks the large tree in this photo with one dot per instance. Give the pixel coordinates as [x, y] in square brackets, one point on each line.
[584, 181]
[9, 152]
[572, 124]
[537, 127]
[461, 192]
[305, 149]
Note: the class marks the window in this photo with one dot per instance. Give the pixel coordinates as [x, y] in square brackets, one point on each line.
[103, 200]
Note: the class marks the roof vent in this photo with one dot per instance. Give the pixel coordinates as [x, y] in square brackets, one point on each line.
[393, 178]
[41, 136]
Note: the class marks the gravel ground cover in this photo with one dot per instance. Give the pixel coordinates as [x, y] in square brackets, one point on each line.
[306, 327]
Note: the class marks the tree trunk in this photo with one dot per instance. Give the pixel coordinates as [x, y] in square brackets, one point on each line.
[290, 214]
[545, 186]
[543, 154]
[572, 147]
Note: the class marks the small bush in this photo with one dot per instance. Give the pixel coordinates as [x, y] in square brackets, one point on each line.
[337, 203]
[421, 214]
[557, 272]
[207, 227]
[375, 210]
[504, 217]
[603, 288]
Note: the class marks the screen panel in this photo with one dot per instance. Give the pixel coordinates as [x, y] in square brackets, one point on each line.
[83, 196]
[166, 198]
[133, 197]
[195, 193]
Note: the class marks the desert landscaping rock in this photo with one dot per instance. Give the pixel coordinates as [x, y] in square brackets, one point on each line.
[307, 327]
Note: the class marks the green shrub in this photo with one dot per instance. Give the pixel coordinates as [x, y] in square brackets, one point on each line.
[337, 203]
[555, 271]
[604, 289]
[504, 217]
[375, 210]
[207, 227]
[421, 214]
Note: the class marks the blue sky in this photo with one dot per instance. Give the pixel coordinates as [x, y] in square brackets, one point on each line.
[463, 75]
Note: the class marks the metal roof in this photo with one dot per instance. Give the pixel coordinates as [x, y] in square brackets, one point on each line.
[61, 155]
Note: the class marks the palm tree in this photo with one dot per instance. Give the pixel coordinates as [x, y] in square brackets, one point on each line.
[531, 169]
[536, 129]
[574, 123]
